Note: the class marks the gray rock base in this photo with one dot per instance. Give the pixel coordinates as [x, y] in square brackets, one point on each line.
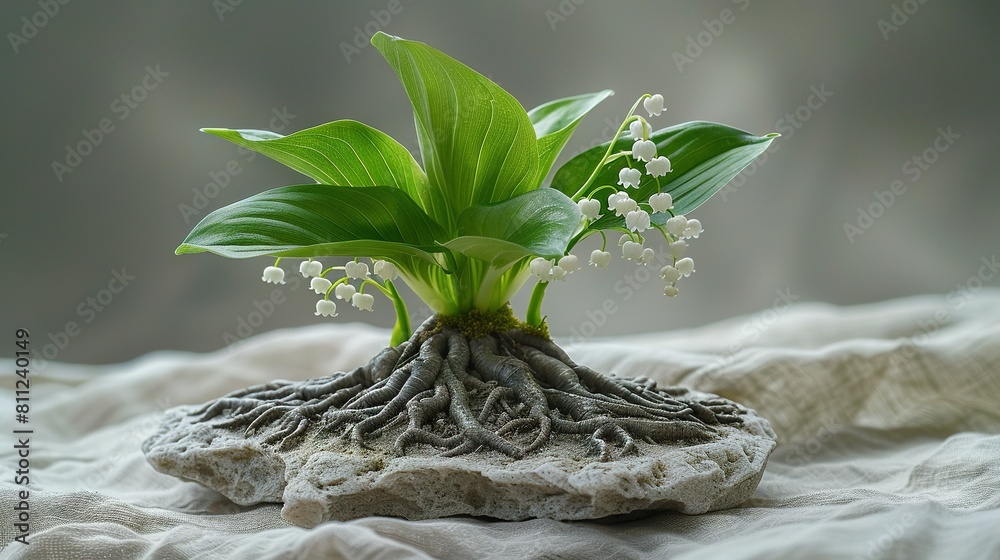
[324, 478]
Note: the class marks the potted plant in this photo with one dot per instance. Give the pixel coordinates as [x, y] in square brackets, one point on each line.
[466, 229]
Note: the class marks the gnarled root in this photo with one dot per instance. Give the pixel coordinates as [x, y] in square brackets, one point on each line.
[506, 392]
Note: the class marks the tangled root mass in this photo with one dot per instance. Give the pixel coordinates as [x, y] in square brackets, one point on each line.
[507, 392]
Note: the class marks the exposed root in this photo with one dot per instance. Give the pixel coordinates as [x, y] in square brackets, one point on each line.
[506, 392]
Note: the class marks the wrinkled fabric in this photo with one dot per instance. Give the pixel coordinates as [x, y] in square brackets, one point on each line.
[888, 418]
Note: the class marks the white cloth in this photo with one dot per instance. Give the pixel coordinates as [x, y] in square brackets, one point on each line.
[888, 417]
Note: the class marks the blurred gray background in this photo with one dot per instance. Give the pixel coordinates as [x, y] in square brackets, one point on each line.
[86, 251]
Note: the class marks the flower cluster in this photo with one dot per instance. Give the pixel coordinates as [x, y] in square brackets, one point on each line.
[639, 215]
[342, 288]
[550, 270]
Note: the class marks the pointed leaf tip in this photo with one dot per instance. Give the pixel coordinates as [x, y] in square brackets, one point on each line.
[476, 140]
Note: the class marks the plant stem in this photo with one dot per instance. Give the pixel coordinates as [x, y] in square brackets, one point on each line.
[611, 147]
[534, 314]
[401, 331]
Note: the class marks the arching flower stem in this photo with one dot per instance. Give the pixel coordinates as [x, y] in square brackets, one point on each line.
[601, 188]
[401, 331]
[593, 175]
[533, 315]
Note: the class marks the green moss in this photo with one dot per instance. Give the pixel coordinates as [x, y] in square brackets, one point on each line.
[477, 324]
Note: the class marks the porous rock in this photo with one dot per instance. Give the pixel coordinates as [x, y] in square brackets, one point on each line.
[325, 478]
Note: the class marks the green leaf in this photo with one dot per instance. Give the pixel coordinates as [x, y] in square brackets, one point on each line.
[319, 221]
[345, 153]
[540, 222]
[477, 143]
[704, 157]
[555, 122]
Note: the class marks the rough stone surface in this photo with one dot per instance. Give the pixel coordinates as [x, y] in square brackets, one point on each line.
[325, 478]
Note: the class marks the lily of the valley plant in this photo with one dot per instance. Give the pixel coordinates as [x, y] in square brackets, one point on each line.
[466, 229]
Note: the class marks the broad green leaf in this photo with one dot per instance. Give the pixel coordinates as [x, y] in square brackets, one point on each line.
[540, 222]
[704, 157]
[555, 122]
[319, 220]
[345, 153]
[477, 143]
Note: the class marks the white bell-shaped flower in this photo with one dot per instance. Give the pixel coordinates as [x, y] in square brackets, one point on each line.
[632, 250]
[345, 291]
[625, 237]
[693, 229]
[557, 273]
[625, 205]
[540, 267]
[658, 166]
[630, 178]
[637, 220]
[670, 274]
[636, 129]
[660, 202]
[677, 248]
[310, 268]
[648, 256]
[326, 308]
[599, 258]
[685, 266]
[385, 269]
[615, 197]
[570, 263]
[274, 275]
[670, 291]
[653, 105]
[590, 208]
[356, 270]
[320, 285]
[677, 225]
[644, 150]
[363, 302]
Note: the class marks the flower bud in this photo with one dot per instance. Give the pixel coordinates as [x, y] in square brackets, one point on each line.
[273, 275]
[310, 268]
[685, 266]
[660, 202]
[557, 273]
[541, 267]
[386, 270]
[320, 285]
[670, 274]
[356, 270]
[600, 258]
[648, 256]
[693, 229]
[590, 208]
[570, 263]
[676, 225]
[326, 308]
[644, 150]
[630, 178]
[345, 291]
[658, 166]
[632, 250]
[653, 105]
[637, 220]
[677, 248]
[363, 301]
[636, 129]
